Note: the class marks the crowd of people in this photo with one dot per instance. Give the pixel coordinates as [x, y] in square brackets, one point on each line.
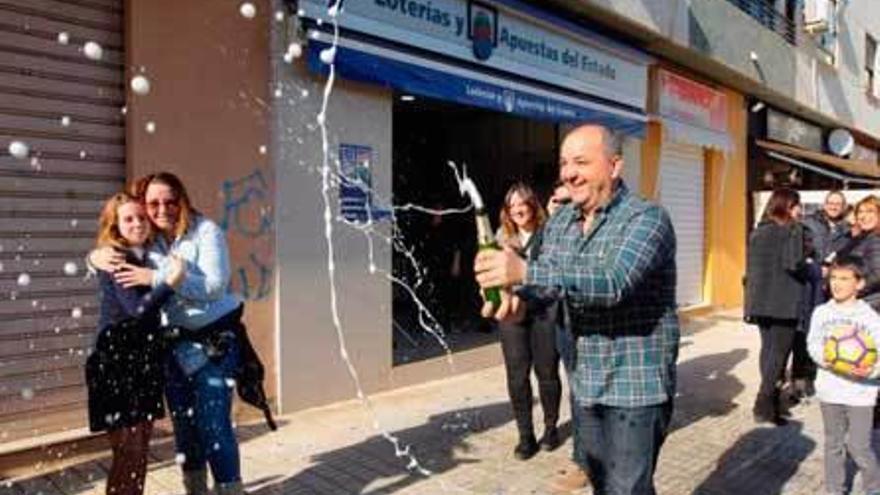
[599, 276]
[589, 281]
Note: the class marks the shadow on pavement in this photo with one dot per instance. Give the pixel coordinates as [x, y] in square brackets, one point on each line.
[761, 462]
[84, 477]
[707, 387]
[371, 466]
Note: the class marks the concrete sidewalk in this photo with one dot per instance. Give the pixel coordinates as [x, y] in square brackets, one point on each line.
[461, 429]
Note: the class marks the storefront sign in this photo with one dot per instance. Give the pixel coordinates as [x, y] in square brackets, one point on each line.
[497, 36]
[690, 102]
[416, 75]
[781, 127]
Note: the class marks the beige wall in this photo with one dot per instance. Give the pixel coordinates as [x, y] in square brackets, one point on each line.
[209, 69]
[312, 371]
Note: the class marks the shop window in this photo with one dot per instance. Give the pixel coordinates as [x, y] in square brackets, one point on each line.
[434, 254]
[872, 65]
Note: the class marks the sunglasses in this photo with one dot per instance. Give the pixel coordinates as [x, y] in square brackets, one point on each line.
[155, 204]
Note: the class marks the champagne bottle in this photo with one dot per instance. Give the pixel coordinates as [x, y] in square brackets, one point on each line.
[485, 240]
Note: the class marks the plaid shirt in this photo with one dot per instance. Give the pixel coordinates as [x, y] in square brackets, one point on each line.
[617, 283]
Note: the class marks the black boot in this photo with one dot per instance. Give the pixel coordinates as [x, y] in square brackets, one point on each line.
[550, 440]
[768, 409]
[526, 448]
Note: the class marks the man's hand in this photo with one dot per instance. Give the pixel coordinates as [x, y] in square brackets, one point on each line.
[130, 276]
[511, 310]
[496, 268]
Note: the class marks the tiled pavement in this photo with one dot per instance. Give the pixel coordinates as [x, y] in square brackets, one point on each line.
[460, 429]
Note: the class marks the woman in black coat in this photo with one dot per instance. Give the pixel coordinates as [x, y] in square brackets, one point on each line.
[124, 374]
[774, 289]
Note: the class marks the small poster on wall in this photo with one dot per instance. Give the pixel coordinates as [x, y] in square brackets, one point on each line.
[355, 188]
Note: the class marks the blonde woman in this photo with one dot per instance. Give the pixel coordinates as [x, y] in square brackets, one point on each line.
[124, 371]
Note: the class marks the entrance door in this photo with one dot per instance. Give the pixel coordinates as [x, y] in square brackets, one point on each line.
[681, 192]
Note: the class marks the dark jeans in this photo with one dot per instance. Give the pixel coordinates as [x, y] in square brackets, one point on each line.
[622, 445]
[777, 339]
[201, 406]
[524, 346]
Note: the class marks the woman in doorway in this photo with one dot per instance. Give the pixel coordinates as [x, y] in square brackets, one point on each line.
[206, 328]
[532, 342]
[774, 289]
[124, 372]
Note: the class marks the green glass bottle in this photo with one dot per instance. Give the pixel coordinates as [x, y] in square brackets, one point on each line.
[485, 240]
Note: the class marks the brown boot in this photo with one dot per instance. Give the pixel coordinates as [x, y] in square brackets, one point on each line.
[570, 479]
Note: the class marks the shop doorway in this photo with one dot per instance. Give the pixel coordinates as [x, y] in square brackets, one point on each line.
[498, 150]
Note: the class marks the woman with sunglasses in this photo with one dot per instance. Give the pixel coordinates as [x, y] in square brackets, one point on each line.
[204, 320]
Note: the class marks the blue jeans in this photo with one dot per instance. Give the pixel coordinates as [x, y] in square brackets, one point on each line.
[621, 445]
[201, 406]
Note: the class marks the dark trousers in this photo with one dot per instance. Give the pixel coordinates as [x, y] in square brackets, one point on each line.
[622, 445]
[525, 346]
[802, 365]
[777, 339]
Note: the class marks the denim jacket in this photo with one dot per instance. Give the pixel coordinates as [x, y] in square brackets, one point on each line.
[204, 295]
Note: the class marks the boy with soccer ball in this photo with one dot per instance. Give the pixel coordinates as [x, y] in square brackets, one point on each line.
[841, 341]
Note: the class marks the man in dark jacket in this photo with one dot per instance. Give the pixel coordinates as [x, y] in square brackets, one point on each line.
[828, 226]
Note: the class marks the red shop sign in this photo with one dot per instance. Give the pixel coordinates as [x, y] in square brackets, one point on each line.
[690, 102]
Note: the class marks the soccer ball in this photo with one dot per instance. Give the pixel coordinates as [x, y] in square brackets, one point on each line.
[850, 351]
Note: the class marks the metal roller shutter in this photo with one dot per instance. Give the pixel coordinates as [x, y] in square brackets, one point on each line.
[681, 192]
[67, 109]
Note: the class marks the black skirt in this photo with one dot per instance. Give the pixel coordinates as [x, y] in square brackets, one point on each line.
[125, 377]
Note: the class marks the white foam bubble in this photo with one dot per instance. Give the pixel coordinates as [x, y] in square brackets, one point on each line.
[70, 268]
[328, 55]
[247, 10]
[140, 84]
[93, 50]
[19, 150]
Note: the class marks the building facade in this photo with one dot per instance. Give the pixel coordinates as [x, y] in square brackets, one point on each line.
[713, 96]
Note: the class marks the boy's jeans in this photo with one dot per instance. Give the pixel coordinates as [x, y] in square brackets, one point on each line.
[848, 428]
[201, 405]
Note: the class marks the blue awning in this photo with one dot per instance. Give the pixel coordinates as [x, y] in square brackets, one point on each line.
[418, 75]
